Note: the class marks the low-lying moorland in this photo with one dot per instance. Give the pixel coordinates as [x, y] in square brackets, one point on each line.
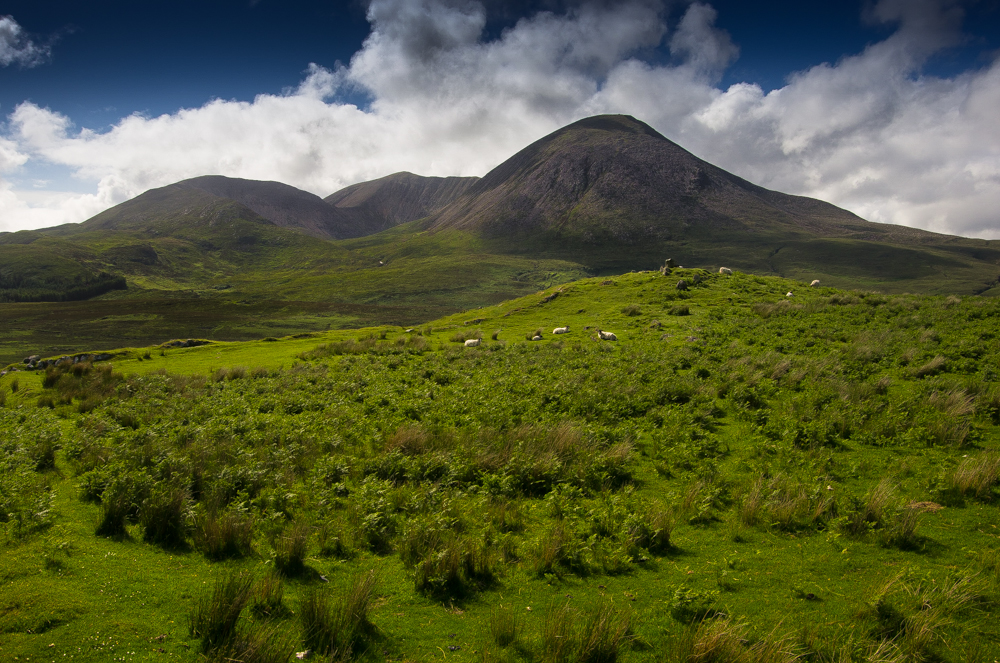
[742, 475]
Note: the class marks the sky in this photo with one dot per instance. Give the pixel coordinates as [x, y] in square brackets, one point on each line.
[888, 108]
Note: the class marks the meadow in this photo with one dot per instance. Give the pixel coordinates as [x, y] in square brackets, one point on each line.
[742, 475]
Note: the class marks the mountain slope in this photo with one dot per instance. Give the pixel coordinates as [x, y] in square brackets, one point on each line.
[399, 198]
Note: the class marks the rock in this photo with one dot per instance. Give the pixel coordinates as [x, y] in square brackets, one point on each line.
[682, 285]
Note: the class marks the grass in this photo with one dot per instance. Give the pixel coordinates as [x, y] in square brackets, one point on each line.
[742, 477]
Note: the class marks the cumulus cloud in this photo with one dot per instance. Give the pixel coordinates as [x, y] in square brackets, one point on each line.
[871, 132]
[16, 48]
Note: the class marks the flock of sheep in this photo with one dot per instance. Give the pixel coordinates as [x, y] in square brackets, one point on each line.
[610, 336]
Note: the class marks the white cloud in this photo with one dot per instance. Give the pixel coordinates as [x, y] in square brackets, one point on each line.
[869, 132]
[16, 48]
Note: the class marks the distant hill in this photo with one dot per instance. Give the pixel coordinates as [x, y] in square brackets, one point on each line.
[280, 204]
[399, 198]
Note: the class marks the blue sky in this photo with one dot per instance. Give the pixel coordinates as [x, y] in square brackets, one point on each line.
[87, 91]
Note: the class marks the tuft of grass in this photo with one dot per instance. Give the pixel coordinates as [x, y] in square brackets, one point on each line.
[333, 628]
[290, 550]
[933, 367]
[726, 641]
[163, 516]
[227, 536]
[596, 636]
[268, 597]
[214, 618]
[255, 643]
[975, 476]
[111, 519]
[504, 626]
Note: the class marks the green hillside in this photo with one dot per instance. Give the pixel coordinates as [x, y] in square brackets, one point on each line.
[742, 475]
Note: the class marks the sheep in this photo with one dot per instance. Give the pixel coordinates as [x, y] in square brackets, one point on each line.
[561, 330]
[536, 338]
[726, 271]
[472, 342]
[789, 294]
[814, 283]
[606, 336]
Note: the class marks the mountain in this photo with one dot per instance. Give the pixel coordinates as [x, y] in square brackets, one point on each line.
[612, 194]
[614, 178]
[399, 198]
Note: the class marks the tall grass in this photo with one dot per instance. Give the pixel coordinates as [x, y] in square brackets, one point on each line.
[505, 628]
[290, 550]
[164, 516]
[976, 477]
[225, 536]
[214, 618]
[334, 627]
[726, 641]
[594, 636]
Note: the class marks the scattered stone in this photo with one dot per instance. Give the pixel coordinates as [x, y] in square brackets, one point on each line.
[682, 285]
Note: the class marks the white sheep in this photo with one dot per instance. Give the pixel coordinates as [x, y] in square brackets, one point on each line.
[814, 283]
[789, 294]
[536, 338]
[472, 342]
[725, 270]
[606, 336]
[561, 330]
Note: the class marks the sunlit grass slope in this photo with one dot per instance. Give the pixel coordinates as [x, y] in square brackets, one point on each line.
[743, 475]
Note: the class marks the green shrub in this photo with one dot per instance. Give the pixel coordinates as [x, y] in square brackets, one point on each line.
[632, 310]
[690, 605]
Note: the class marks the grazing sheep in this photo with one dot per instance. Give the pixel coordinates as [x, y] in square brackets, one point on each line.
[789, 294]
[814, 283]
[472, 342]
[536, 338]
[561, 330]
[606, 336]
[725, 270]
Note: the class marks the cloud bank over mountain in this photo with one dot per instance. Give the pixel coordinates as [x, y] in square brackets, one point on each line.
[871, 132]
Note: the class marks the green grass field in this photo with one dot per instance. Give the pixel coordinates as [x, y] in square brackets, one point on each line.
[741, 476]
